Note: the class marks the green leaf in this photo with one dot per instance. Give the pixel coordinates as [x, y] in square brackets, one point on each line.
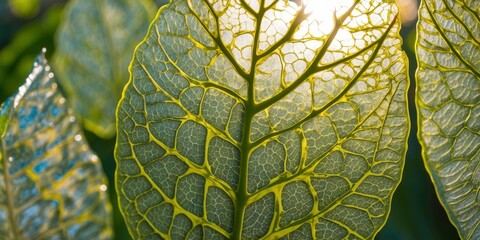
[94, 47]
[448, 99]
[4, 110]
[24, 8]
[51, 184]
[263, 120]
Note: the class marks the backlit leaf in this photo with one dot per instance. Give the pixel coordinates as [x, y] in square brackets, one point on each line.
[263, 119]
[448, 99]
[51, 184]
[94, 47]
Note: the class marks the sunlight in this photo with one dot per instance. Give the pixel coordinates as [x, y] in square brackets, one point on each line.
[327, 7]
[320, 7]
[325, 12]
[322, 11]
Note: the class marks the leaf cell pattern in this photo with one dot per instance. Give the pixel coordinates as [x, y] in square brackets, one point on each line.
[250, 119]
[51, 184]
[448, 101]
[94, 47]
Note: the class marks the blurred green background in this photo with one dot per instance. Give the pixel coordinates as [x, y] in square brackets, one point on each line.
[26, 26]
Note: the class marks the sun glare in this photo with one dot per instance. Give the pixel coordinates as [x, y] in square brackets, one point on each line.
[327, 7]
[319, 7]
[325, 12]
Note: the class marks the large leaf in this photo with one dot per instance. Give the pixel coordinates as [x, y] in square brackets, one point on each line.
[448, 99]
[51, 184]
[263, 119]
[95, 45]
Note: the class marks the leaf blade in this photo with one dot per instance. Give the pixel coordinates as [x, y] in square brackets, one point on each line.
[264, 121]
[447, 97]
[51, 182]
[95, 42]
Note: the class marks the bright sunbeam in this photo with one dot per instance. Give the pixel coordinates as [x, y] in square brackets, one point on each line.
[324, 12]
[327, 7]
[320, 7]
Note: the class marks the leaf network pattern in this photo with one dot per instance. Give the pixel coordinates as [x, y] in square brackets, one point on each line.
[94, 47]
[448, 98]
[51, 184]
[250, 119]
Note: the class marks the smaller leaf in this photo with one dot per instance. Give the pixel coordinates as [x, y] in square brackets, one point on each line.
[95, 43]
[24, 8]
[51, 184]
[448, 103]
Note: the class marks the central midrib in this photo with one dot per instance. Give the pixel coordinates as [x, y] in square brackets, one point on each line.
[241, 193]
[246, 146]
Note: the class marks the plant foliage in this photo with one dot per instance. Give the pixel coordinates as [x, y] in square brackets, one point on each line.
[51, 184]
[448, 101]
[94, 47]
[263, 119]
